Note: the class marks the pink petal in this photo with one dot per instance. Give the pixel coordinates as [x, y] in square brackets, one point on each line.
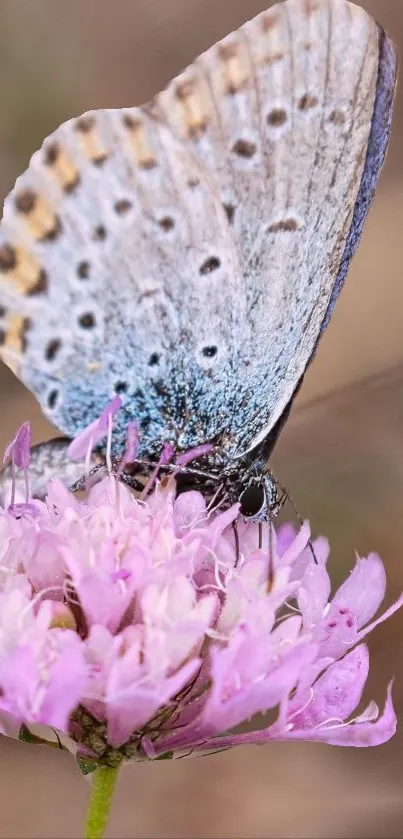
[359, 734]
[43, 562]
[221, 713]
[321, 550]
[135, 705]
[313, 594]
[300, 542]
[103, 596]
[364, 589]
[111, 409]
[259, 697]
[336, 693]
[189, 510]
[93, 433]
[18, 450]
[67, 680]
[132, 444]
[193, 454]
[285, 536]
[221, 522]
[32, 698]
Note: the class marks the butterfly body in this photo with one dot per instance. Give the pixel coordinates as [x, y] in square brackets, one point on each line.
[188, 254]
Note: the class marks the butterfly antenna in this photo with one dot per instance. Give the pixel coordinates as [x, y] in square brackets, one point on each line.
[270, 576]
[81, 483]
[174, 467]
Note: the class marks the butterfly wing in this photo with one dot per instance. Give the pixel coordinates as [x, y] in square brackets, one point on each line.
[306, 93]
[187, 254]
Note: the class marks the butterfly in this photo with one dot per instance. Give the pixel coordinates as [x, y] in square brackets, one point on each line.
[187, 254]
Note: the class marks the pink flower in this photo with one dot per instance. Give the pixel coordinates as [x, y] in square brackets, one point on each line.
[136, 627]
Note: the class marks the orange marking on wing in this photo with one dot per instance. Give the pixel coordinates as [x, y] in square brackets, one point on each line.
[16, 327]
[27, 271]
[63, 169]
[139, 143]
[43, 221]
[269, 21]
[194, 107]
[39, 217]
[90, 140]
[235, 65]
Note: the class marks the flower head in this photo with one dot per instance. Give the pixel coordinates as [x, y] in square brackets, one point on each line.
[140, 627]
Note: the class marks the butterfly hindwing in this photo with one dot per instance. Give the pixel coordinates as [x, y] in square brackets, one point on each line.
[299, 90]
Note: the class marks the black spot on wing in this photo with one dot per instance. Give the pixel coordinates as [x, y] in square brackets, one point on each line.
[209, 265]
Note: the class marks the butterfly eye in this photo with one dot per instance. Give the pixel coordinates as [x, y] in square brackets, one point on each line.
[253, 502]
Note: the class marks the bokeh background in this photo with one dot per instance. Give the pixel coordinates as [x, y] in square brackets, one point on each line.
[341, 454]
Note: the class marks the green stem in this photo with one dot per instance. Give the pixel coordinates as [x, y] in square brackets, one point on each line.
[103, 785]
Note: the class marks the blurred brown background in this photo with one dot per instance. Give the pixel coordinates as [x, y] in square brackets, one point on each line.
[341, 454]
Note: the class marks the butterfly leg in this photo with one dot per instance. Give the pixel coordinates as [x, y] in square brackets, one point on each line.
[236, 539]
[48, 460]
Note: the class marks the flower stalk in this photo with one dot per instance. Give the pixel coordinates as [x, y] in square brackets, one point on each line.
[103, 785]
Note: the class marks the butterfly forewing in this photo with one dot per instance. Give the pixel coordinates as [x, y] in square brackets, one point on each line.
[184, 254]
